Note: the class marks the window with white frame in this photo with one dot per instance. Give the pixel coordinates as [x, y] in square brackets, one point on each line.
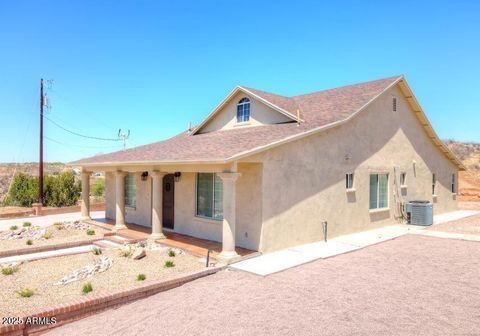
[378, 191]
[243, 110]
[130, 190]
[349, 181]
[403, 179]
[434, 183]
[209, 196]
[454, 189]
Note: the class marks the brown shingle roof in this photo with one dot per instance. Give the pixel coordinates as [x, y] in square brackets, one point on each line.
[316, 110]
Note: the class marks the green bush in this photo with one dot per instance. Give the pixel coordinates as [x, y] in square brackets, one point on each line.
[169, 264]
[98, 188]
[59, 190]
[171, 253]
[13, 227]
[29, 242]
[141, 277]
[9, 270]
[27, 224]
[25, 292]
[90, 232]
[96, 250]
[87, 288]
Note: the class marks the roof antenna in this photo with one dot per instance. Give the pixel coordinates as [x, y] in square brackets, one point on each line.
[298, 117]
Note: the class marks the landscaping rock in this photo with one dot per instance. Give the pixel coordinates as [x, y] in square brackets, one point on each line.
[102, 264]
[139, 253]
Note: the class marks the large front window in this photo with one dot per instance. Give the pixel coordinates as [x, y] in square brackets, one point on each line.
[378, 191]
[209, 196]
[130, 190]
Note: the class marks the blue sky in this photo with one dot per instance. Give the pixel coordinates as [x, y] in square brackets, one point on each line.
[153, 66]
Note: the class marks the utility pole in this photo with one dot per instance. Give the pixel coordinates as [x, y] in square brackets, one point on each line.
[40, 163]
[124, 137]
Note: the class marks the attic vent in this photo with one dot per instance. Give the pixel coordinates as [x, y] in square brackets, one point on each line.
[394, 104]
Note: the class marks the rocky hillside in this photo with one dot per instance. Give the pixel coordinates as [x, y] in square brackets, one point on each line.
[8, 169]
[469, 181]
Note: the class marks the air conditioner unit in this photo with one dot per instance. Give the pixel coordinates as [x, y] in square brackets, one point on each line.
[419, 213]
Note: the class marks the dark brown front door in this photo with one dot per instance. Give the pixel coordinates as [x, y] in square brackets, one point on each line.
[168, 200]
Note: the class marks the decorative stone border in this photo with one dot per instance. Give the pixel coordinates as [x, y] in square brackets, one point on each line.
[93, 304]
[35, 249]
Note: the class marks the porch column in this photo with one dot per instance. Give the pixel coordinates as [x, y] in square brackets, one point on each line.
[120, 200]
[157, 205]
[85, 204]
[228, 253]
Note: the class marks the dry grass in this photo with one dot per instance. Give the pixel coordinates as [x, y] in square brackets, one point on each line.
[41, 274]
[56, 237]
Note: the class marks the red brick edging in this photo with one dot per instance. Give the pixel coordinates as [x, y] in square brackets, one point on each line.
[44, 248]
[96, 303]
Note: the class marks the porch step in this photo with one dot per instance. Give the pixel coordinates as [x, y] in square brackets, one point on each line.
[105, 243]
[119, 240]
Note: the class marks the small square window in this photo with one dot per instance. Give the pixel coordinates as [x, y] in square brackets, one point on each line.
[403, 178]
[349, 181]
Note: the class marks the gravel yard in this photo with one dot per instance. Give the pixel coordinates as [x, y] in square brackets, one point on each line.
[467, 225]
[55, 235]
[42, 274]
[412, 285]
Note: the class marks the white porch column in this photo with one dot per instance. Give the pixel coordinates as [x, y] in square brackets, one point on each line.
[120, 200]
[157, 205]
[85, 204]
[228, 253]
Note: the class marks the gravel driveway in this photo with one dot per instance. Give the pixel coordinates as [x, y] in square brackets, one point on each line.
[412, 285]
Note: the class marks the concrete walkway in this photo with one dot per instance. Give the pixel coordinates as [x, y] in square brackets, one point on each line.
[47, 254]
[278, 261]
[43, 221]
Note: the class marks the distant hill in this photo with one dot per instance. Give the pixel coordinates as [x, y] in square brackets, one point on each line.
[8, 169]
[469, 181]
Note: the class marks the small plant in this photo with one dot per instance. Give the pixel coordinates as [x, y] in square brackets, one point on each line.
[27, 224]
[96, 250]
[29, 242]
[141, 277]
[169, 264]
[47, 235]
[126, 252]
[87, 288]
[13, 227]
[171, 253]
[9, 270]
[59, 226]
[25, 292]
[90, 232]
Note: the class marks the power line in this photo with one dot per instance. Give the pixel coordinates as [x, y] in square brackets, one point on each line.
[81, 135]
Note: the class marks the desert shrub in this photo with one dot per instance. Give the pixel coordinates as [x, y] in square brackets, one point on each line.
[27, 224]
[59, 226]
[169, 264]
[171, 253]
[47, 235]
[59, 190]
[98, 188]
[96, 250]
[13, 227]
[90, 232]
[25, 292]
[141, 277]
[9, 270]
[87, 288]
[126, 252]
[29, 242]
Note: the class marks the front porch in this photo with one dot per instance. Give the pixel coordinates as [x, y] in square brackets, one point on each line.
[193, 245]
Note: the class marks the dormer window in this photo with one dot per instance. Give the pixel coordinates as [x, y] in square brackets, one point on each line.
[243, 110]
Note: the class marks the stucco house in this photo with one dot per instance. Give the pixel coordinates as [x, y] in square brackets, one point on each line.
[263, 171]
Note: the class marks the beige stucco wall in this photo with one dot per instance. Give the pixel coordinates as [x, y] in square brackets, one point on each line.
[260, 114]
[304, 181]
[142, 213]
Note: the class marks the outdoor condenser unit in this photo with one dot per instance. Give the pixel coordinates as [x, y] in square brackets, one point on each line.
[419, 212]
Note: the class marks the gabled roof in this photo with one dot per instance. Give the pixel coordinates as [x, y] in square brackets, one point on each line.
[318, 111]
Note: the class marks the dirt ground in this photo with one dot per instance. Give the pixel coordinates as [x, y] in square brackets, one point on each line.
[57, 237]
[40, 276]
[468, 225]
[412, 285]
